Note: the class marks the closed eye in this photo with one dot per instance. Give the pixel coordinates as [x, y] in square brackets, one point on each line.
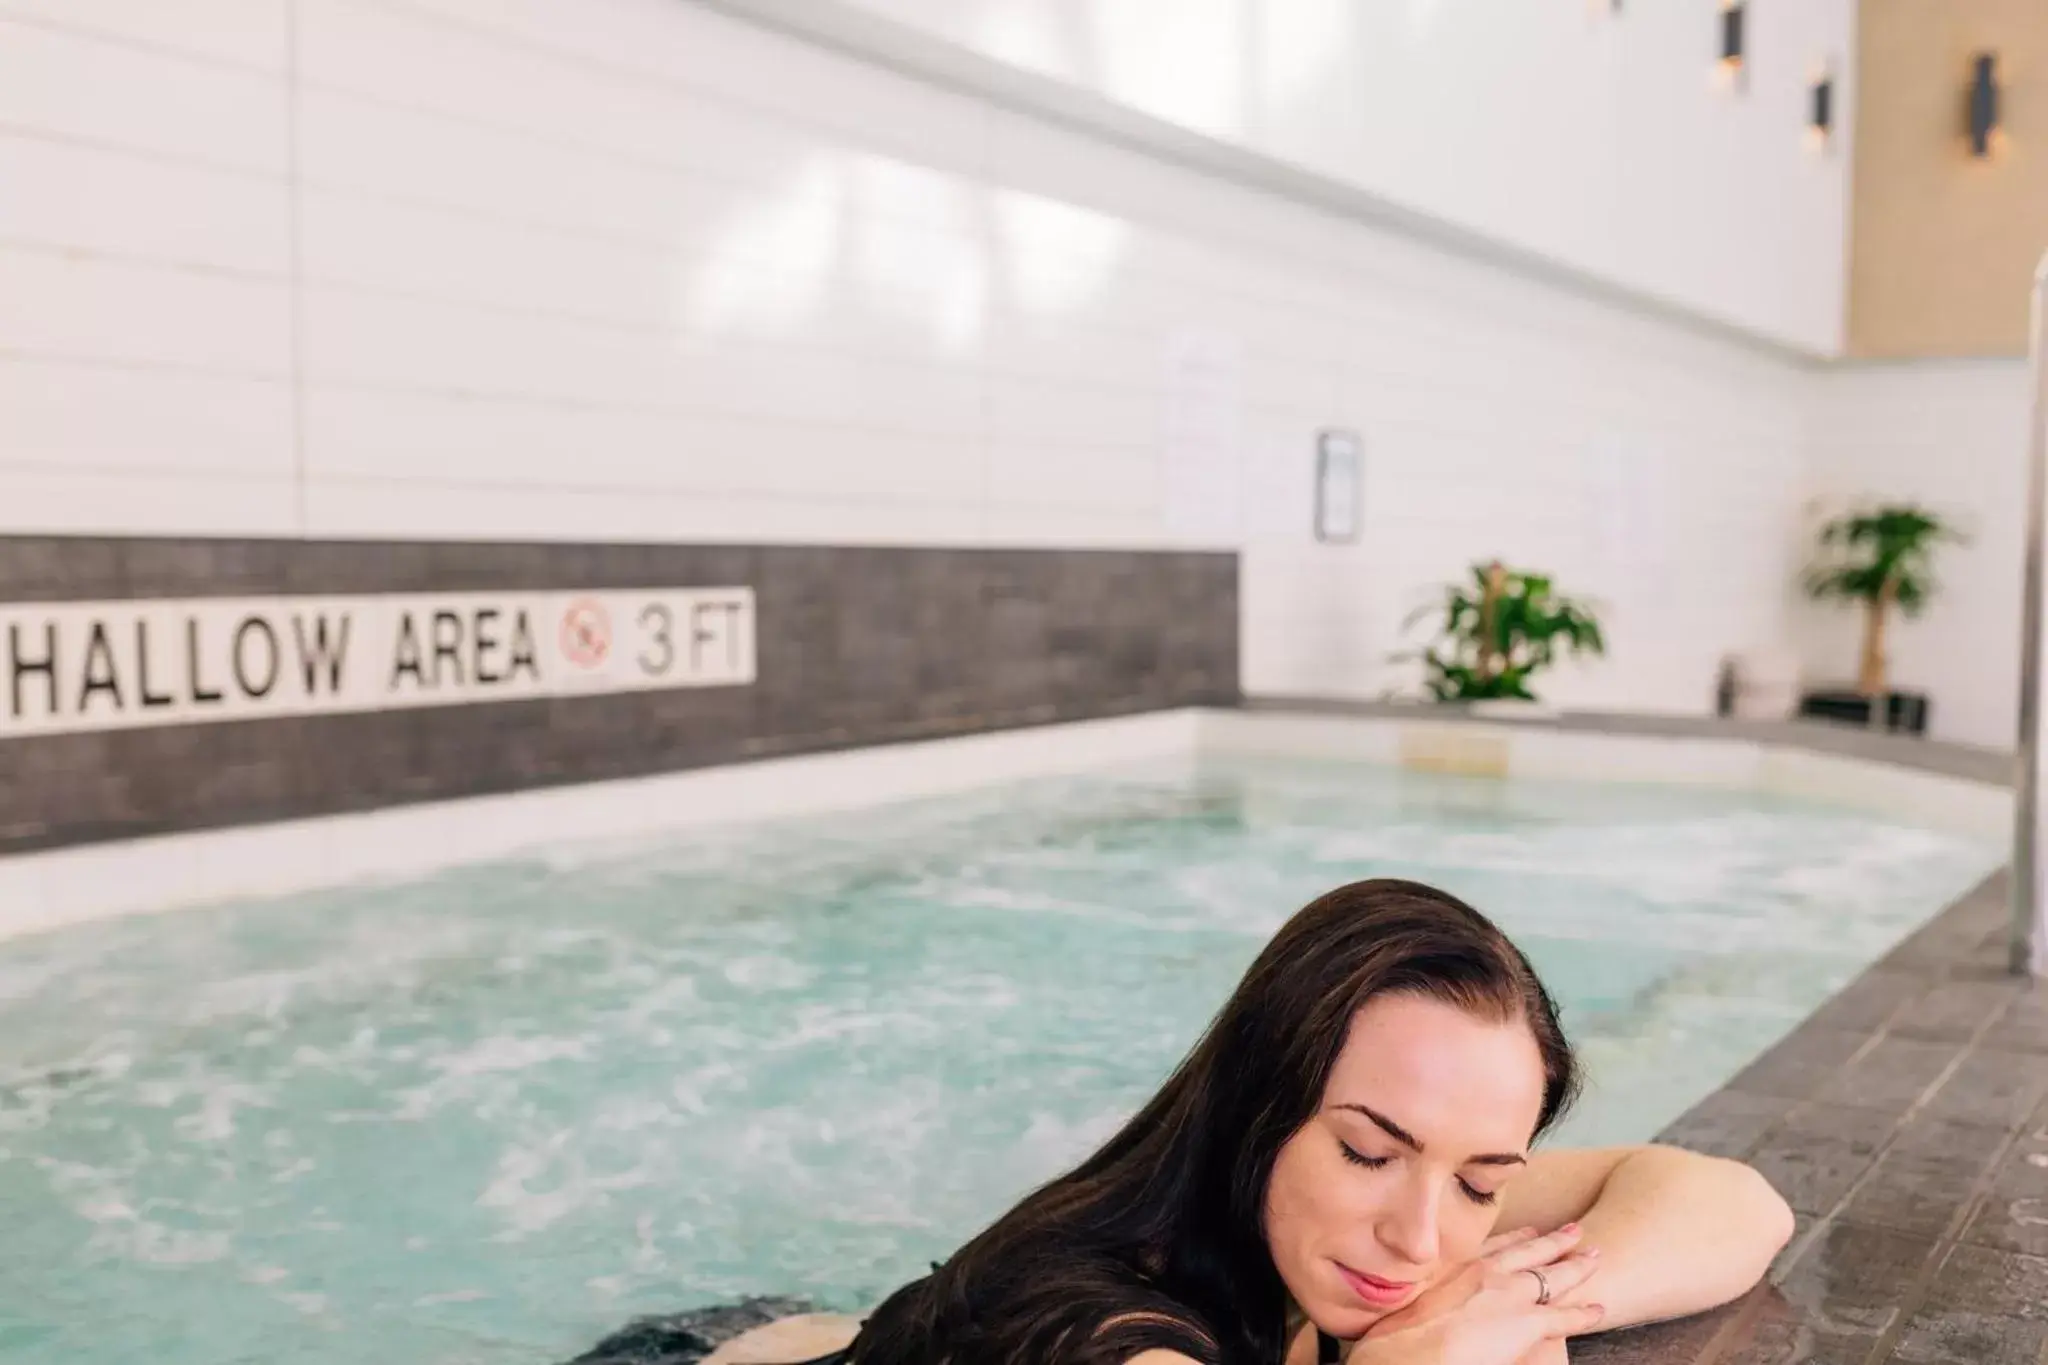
[1373, 1163]
[1358, 1158]
[1478, 1196]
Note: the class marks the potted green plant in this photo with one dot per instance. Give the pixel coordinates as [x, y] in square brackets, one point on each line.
[1879, 558]
[1498, 630]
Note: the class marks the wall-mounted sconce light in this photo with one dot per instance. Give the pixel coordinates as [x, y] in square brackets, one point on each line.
[1728, 71]
[1820, 116]
[1986, 137]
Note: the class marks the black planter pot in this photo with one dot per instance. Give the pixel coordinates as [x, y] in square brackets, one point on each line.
[1905, 712]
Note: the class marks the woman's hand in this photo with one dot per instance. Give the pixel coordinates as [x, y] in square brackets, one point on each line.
[1487, 1313]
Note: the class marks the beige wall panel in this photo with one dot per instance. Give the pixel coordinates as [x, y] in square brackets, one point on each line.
[1943, 245]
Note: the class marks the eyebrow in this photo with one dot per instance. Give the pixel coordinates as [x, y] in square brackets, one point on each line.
[1408, 1139]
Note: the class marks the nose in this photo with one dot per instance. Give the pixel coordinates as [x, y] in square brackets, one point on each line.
[1408, 1226]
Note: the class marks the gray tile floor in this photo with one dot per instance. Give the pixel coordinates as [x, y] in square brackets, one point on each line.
[1907, 1124]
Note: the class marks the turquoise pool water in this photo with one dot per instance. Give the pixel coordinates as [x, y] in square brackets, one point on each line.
[489, 1116]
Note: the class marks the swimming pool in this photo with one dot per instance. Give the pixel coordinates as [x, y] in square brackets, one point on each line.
[489, 1115]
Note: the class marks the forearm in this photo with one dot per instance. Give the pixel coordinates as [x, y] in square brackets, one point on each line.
[1679, 1233]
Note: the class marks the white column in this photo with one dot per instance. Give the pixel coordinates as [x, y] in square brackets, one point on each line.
[2030, 832]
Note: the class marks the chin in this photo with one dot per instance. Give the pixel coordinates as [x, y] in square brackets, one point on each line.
[1341, 1315]
[1346, 1323]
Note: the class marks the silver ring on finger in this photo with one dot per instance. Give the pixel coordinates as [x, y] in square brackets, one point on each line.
[1542, 1285]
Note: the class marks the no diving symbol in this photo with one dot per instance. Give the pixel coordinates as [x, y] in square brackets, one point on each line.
[586, 634]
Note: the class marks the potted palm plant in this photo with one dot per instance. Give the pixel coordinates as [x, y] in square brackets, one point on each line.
[1880, 558]
[1498, 629]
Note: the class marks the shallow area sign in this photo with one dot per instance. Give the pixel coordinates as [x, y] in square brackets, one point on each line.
[73, 666]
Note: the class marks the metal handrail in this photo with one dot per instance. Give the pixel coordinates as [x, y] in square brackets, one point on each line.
[2029, 903]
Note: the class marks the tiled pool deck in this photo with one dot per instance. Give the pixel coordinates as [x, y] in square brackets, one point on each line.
[1907, 1124]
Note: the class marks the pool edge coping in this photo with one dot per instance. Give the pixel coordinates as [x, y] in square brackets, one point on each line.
[1973, 763]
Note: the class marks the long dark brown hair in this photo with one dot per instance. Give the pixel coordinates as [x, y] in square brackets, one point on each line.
[1161, 1233]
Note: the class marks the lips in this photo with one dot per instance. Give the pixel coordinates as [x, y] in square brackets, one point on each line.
[1375, 1291]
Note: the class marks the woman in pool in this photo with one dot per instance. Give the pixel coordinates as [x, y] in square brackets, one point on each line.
[1323, 1178]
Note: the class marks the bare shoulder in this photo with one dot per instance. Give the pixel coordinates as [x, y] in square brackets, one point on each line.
[1301, 1350]
[788, 1340]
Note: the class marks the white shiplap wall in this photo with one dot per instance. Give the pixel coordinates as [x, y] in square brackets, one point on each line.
[629, 269]
[145, 246]
[1593, 135]
[1951, 435]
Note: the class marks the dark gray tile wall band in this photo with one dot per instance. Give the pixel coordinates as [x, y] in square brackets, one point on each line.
[856, 645]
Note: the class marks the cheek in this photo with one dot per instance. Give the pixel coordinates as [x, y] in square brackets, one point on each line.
[1305, 1203]
[1465, 1228]
[1288, 1204]
[1318, 1201]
